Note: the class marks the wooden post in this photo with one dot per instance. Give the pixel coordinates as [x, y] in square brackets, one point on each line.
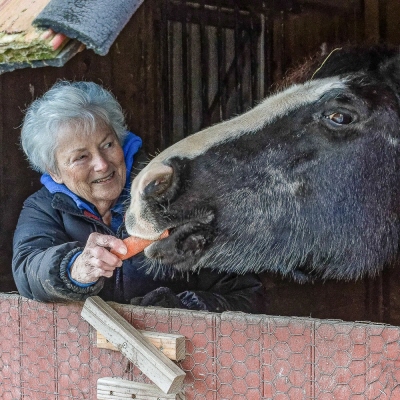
[118, 389]
[131, 343]
[173, 346]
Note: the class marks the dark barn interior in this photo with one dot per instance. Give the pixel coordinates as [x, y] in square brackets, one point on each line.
[179, 66]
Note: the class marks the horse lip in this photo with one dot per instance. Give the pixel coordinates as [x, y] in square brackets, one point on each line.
[173, 250]
[150, 235]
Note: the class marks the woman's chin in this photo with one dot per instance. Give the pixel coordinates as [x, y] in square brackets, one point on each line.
[105, 192]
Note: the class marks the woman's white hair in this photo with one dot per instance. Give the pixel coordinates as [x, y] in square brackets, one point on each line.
[79, 105]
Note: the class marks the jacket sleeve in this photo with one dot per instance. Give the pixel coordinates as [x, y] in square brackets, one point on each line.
[229, 293]
[41, 253]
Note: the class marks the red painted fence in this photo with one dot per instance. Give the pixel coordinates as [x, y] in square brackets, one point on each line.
[48, 352]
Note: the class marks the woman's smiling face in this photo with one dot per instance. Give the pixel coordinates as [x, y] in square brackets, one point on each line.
[91, 165]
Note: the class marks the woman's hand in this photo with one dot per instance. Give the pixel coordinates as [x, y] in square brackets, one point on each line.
[96, 260]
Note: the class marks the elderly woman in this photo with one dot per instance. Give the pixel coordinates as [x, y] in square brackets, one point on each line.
[75, 135]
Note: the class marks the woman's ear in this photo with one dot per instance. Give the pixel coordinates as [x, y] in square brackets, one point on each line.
[56, 177]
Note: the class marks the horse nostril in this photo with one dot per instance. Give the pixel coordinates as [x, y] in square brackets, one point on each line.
[157, 187]
[194, 244]
[157, 181]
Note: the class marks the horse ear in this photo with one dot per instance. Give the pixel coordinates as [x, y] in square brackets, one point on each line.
[390, 70]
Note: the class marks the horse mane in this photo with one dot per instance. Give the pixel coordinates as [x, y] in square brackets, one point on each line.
[336, 60]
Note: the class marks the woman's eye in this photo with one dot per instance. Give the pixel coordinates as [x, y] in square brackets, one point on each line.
[81, 157]
[340, 118]
[108, 145]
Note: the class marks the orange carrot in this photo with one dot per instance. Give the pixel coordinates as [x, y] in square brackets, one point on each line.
[135, 245]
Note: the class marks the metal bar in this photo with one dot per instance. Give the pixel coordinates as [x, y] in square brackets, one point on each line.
[189, 95]
[268, 52]
[170, 82]
[253, 64]
[279, 46]
[261, 59]
[221, 57]
[238, 82]
[185, 73]
[205, 120]
[166, 120]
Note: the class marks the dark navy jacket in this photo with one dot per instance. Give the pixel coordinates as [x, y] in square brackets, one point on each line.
[54, 225]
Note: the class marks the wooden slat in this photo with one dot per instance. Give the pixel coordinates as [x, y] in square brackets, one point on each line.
[117, 388]
[173, 346]
[17, 15]
[131, 343]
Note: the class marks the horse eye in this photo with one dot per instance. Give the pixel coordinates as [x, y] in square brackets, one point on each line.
[340, 118]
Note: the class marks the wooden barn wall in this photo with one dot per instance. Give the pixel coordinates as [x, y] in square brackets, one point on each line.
[133, 71]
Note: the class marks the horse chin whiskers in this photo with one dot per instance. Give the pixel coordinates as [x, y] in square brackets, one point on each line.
[155, 268]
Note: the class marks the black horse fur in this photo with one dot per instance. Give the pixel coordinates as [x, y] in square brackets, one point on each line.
[306, 184]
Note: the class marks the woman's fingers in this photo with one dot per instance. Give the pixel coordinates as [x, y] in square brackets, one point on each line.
[107, 241]
[96, 260]
[102, 258]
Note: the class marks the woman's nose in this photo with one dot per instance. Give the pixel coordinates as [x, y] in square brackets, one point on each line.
[100, 163]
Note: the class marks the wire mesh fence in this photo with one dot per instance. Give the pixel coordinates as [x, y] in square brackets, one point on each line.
[48, 351]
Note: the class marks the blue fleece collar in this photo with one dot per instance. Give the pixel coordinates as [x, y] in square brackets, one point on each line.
[131, 146]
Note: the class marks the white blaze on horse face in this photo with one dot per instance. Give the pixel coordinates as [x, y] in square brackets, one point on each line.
[266, 112]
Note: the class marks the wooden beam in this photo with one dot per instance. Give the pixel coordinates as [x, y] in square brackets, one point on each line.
[118, 389]
[173, 346]
[131, 343]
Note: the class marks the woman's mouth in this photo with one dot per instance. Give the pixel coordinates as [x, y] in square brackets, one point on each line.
[105, 179]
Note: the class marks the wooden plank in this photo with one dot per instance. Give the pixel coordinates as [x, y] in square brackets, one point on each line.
[131, 343]
[117, 388]
[17, 15]
[173, 346]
